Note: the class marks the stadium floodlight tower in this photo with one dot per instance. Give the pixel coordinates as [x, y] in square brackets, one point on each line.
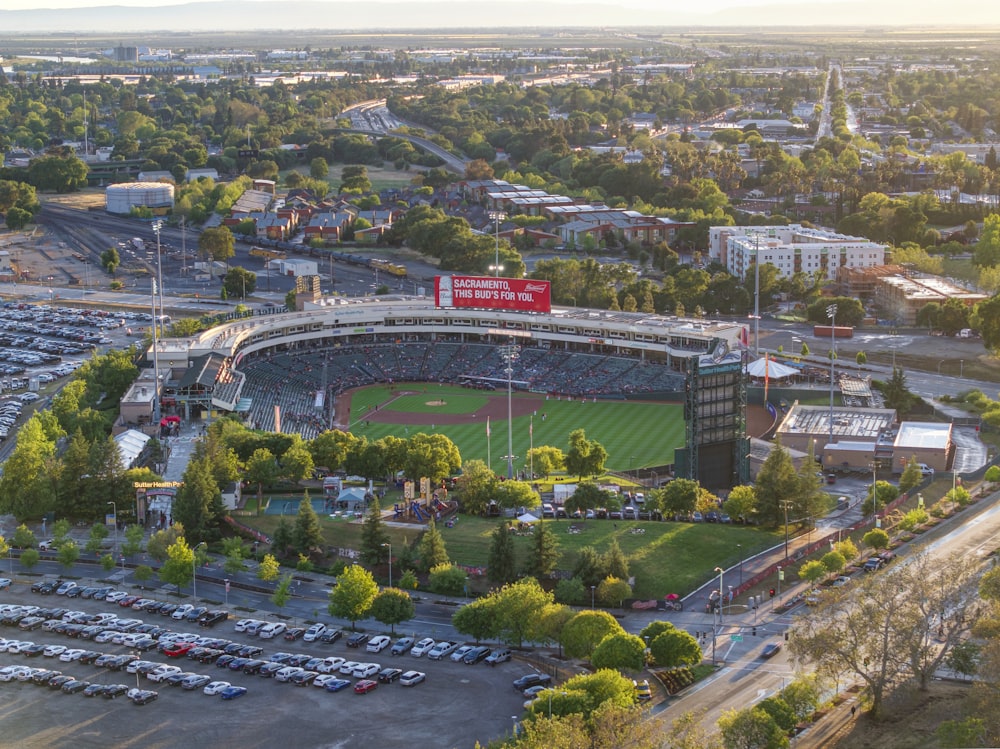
[831, 312]
[510, 352]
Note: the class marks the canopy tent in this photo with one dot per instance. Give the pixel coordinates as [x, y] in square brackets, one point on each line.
[527, 518]
[771, 369]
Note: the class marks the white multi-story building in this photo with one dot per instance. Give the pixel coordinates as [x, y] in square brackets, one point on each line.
[791, 249]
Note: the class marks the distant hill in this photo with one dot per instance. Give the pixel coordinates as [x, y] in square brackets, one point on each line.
[228, 15]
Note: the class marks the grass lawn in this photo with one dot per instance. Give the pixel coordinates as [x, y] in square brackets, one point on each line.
[665, 558]
[635, 434]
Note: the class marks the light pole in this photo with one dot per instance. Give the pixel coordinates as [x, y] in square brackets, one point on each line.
[157, 226]
[739, 548]
[874, 500]
[784, 505]
[719, 570]
[390, 562]
[592, 589]
[114, 508]
[831, 312]
[510, 354]
[496, 267]
[756, 297]
[194, 571]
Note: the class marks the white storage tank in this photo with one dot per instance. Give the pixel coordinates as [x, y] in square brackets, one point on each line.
[121, 198]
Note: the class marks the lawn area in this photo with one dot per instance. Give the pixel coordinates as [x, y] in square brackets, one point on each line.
[635, 434]
[664, 558]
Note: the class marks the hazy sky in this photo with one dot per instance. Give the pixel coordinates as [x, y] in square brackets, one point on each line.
[681, 6]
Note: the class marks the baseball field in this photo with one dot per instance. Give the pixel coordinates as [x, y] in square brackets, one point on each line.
[636, 434]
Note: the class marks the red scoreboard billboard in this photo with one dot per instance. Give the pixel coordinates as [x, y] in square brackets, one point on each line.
[518, 294]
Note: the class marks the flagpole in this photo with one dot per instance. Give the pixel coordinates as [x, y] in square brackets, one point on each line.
[489, 456]
[531, 447]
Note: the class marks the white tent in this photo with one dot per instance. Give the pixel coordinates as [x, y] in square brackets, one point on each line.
[771, 369]
[527, 518]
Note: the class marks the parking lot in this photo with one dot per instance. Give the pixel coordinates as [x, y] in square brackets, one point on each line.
[457, 705]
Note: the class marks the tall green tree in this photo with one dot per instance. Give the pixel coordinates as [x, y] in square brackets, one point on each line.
[584, 632]
[584, 457]
[519, 606]
[432, 549]
[352, 597]
[897, 394]
[502, 564]
[777, 484]
[178, 569]
[308, 535]
[268, 569]
[282, 592]
[261, 469]
[478, 619]
[622, 652]
[26, 489]
[217, 243]
[544, 555]
[374, 536]
[614, 562]
[198, 503]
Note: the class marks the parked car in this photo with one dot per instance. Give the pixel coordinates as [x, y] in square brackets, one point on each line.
[411, 678]
[422, 647]
[476, 655]
[233, 692]
[643, 693]
[335, 685]
[461, 652]
[215, 687]
[389, 675]
[357, 640]
[331, 635]
[365, 670]
[402, 645]
[531, 680]
[314, 632]
[377, 644]
[365, 686]
[441, 649]
[498, 656]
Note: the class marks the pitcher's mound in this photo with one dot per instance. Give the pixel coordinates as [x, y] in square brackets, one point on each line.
[436, 403]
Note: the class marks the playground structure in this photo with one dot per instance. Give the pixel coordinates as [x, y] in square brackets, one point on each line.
[421, 508]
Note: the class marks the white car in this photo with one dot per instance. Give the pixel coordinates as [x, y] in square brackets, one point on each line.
[131, 639]
[422, 647]
[287, 673]
[314, 632]
[347, 667]
[323, 679]
[53, 650]
[459, 654]
[134, 666]
[115, 596]
[9, 673]
[20, 647]
[330, 665]
[242, 624]
[183, 610]
[162, 672]
[441, 649]
[216, 687]
[65, 588]
[412, 677]
[378, 644]
[4, 583]
[6, 645]
[272, 630]
[106, 636]
[255, 627]
[68, 656]
[364, 670]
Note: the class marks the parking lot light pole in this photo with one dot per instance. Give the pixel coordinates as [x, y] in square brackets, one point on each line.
[739, 548]
[114, 508]
[194, 570]
[831, 312]
[592, 589]
[390, 562]
[719, 570]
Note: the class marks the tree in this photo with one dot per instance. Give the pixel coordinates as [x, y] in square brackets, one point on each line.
[477, 485]
[26, 485]
[510, 495]
[268, 569]
[431, 455]
[674, 647]
[751, 728]
[60, 532]
[283, 538]
[308, 535]
[584, 457]
[58, 173]
[110, 260]
[107, 563]
[68, 553]
[585, 631]
[29, 558]
[613, 591]
[614, 562]
[587, 496]
[518, 607]
[813, 571]
[432, 550]
[876, 539]
[351, 598]
[217, 243]
[544, 553]
[833, 561]
[234, 563]
[98, 532]
[261, 469]
[477, 619]
[550, 623]
[392, 606]
[374, 537]
[741, 502]
[589, 568]
[678, 498]
[282, 592]
[17, 218]
[447, 579]
[897, 394]
[178, 569]
[134, 536]
[911, 477]
[623, 652]
[502, 564]
[239, 282]
[879, 495]
[408, 581]
[318, 168]
[777, 484]
[24, 538]
[198, 504]
[160, 542]
[546, 459]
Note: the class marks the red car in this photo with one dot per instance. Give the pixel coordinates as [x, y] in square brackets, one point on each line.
[178, 649]
[365, 686]
[127, 601]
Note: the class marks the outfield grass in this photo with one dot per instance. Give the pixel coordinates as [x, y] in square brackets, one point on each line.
[635, 434]
[665, 558]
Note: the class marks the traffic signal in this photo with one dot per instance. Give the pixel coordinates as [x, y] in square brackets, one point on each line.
[754, 632]
[771, 592]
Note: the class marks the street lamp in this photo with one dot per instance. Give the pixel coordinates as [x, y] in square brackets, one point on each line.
[510, 354]
[114, 507]
[496, 267]
[390, 562]
[592, 589]
[874, 500]
[719, 570]
[194, 570]
[157, 226]
[831, 312]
